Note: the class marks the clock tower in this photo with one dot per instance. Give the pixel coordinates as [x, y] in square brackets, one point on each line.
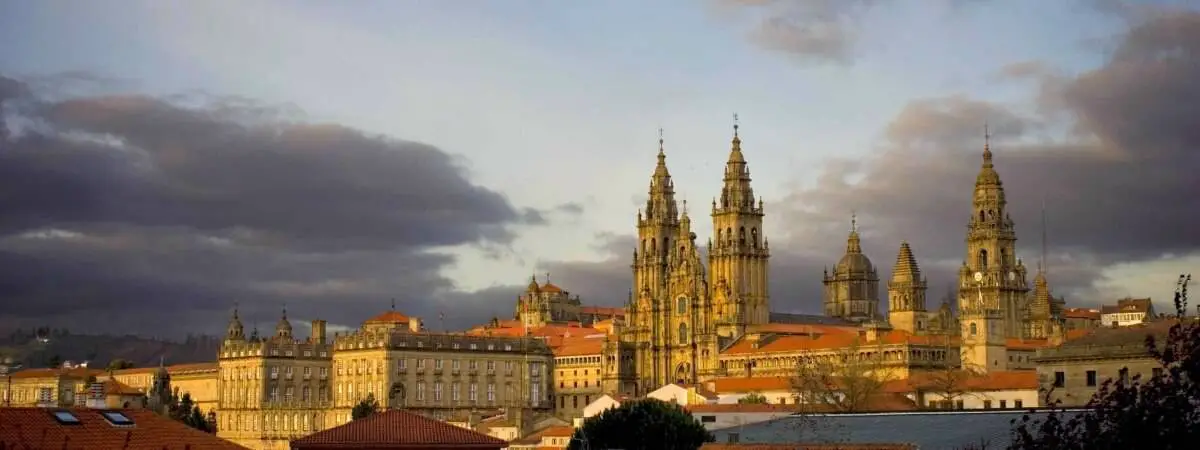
[992, 279]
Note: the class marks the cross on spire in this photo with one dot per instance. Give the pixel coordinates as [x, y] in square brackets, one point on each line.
[735, 124]
[987, 136]
[854, 221]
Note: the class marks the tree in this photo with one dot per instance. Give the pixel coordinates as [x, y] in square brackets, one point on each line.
[184, 410]
[753, 399]
[845, 380]
[1157, 413]
[951, 382]
[365, 408]
[119, 364]
[647, 424]
[54, 361]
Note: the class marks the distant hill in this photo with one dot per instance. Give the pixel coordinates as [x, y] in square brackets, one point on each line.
[46, 347]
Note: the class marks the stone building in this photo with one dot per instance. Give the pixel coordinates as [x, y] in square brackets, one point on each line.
[1127, 311]
[274, 388]
[1074, 371]
[437, 374]
[547, 304]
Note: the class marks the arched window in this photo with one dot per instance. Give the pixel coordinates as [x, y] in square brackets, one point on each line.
[643, 246]
[991, 215]
[983, 259]
[754, 237]
[653, 246]
[666, 246]
[728, 236]
[982, 217]
[742, 235]
[1003, 256]
[974, 330]
[683, 337]
[719, 236]
[681, 305]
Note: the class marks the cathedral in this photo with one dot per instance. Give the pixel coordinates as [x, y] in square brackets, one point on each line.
[683, 311]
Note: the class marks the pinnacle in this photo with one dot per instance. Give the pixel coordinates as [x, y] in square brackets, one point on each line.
[906, 268]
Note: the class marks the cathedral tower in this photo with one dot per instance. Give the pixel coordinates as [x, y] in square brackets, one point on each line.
[658, 227]
[739, 252]
[906, 294]
[991, 270]
[852, 290]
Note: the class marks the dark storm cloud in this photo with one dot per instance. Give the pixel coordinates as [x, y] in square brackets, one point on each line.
[149, 209]
[1119, 187]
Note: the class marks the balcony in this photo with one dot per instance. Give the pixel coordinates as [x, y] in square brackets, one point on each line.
[287, 376]
[308, 376]
[274, 376]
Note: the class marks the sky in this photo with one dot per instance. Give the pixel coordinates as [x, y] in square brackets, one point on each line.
[162, 163]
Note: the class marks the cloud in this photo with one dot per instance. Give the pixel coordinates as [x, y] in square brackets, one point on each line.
[130, 208]
[811, 31]
[1111, 152]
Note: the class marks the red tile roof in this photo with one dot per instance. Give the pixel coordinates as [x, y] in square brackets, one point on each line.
[33, 428]
[397, 429]
[603, 310]
[389, 317]
[81, 372]
[1082, 313]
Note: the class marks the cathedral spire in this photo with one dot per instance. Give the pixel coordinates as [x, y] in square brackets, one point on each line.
[853, 243]
[987, 150]
[661, 204]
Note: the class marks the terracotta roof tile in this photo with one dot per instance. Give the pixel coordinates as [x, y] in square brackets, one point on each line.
[389, 317]
[38, 428]
[1082, 313]
[1026, 344]
[52, 372]
[990, 381]
[578, 346]
[114, 387]
[752, 384]
[603, 310]
[397, 429]
[173, 370]
[832, 337]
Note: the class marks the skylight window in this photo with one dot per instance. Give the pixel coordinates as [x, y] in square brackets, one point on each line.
[116, 418]
[65, 418]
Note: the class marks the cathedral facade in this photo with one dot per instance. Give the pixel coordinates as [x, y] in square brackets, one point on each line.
[682, 311]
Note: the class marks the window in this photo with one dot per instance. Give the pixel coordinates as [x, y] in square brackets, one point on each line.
[420, 390]
[958, 404]
[1091, 378]
[1157, 371]
[681, 305]
[306, 394]
[437, 365]
[437, 391]
[1060, 379]
[401, 364]
[65, 418]
[1124, 374]
[987, 404]
[734, 438]
[683, 337]
[1017, 404]
[708, 419]
[1003, 404]
[491, 392]
[455, 364]
[421, 363]
[474, 392]
[974, 329]
[454, 392]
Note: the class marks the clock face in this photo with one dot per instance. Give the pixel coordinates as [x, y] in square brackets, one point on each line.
[1012, 276]
[978, 276]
